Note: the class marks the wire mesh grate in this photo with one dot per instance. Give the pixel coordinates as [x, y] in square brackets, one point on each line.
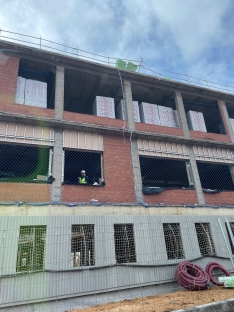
[205, 240]
[31, 248]
[82, 245]
[173, 241]
[124, 243]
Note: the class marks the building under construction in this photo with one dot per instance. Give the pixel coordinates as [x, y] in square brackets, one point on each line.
[159, 189]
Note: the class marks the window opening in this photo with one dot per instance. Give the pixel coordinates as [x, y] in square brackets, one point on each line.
[173, 240]
[215, 176]
[82, 245]
[124, 243]
[76, 161]
[205, 240]
[31, 248]
[20, 163]
[167, 173]
[39, 72]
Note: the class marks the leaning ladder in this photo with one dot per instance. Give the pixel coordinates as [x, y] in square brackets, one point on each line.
[225, 238]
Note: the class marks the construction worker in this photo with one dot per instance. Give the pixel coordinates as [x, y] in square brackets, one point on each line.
[83, 179]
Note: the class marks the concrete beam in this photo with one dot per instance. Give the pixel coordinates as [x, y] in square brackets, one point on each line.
[59, 93]
[134, 150]
[129, 105]
[57, 167]
[226, 120]
[181, 113]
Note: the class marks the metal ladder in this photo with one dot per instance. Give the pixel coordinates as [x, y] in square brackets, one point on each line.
[231, 256]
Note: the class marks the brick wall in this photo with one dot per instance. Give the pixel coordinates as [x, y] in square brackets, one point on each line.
[172, 197]
[95, 120]
[8, 78]
[159, 129]
[223, 198]
[209, 136]
[29, 192]
[118, 176]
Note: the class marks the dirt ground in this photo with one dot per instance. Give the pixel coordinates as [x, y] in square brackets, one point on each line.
[165, 303]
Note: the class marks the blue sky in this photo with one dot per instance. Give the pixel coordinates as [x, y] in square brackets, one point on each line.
[195, 37]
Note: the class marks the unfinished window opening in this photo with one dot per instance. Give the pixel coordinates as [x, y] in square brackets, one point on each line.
[124, 243]
[39, 87]
[76, 161]
[162, 110]
[215, 176]
[31, 248]
[167, 173]
[82, 245]
[81, 89]
[229, 237]
[208, 118]
[20, 163]
[205, 240]
[173, 241]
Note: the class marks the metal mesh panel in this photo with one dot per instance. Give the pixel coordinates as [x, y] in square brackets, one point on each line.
[124, 243]
[31, 248]
[205, 240]
[173, 240]
[22, 163]
[82, 245]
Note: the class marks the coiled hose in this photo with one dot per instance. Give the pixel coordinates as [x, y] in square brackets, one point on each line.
[213, 265]
[191, 276]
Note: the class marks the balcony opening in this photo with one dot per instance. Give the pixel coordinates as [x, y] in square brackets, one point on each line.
[173, 240]
[208, 112]
[166, 173]
[39, 87]
[20, 163]
[161, 102]
[82, 245]
[90, 162]
[205, 240]
[124, 243]
[215, 176]
[81, 89]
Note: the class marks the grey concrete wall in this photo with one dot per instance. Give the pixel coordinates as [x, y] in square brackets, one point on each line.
[61, 281]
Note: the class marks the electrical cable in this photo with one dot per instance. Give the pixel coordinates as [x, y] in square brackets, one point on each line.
[192, 276]
[214, 265]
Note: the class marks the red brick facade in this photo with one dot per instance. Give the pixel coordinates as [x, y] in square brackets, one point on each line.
[172, 197]
[159, 129]
[223, 198]
[118, 176]
[28, 192]
[95, 120]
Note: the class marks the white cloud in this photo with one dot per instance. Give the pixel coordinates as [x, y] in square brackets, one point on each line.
[177, 35]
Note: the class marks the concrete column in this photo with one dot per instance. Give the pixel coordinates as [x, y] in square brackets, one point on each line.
[181, 113]
[196, 177]
[129, 105]
[193, 164]
[226, 120]
[57, 167]
[134, 150]
[59, 93]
